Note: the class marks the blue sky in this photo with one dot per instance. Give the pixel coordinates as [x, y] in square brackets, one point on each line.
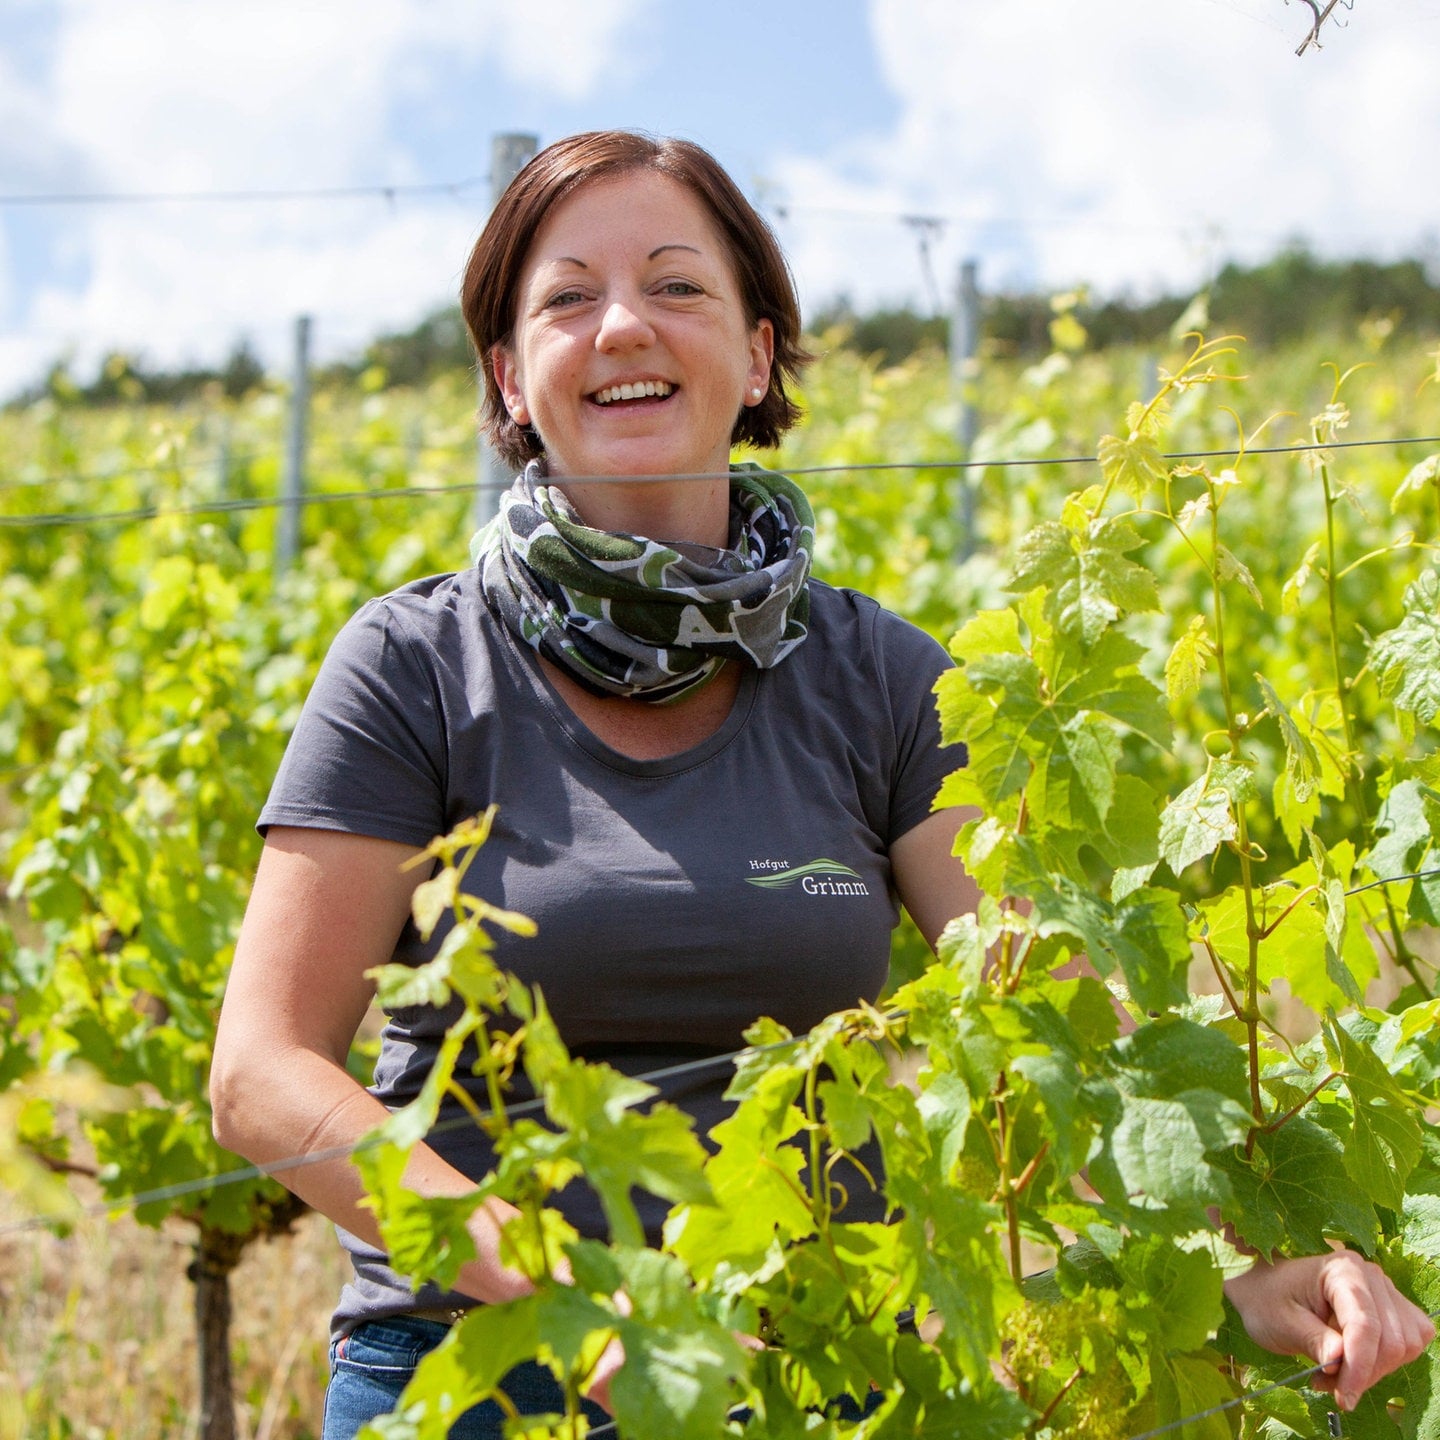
[1130, 144]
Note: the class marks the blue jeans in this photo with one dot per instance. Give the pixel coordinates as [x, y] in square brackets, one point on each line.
[373, 1364]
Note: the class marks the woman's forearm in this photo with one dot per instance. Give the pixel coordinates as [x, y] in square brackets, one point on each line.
[301, 1104]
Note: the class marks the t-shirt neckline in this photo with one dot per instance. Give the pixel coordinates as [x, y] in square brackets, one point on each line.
[583, 736]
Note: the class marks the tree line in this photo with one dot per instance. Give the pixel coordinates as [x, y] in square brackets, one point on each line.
[1294, 293]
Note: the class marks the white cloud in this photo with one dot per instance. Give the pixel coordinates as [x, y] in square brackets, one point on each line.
[1126, 145]
[183, 95]
[175, 92]
[180, 290]
[1130, 146]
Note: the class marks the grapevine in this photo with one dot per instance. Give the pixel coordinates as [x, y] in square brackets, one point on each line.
[1148, 800]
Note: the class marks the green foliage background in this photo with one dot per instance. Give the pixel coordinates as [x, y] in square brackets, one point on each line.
[1200, 696]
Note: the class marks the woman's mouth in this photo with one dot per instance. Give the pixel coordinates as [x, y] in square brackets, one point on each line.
[639, 390]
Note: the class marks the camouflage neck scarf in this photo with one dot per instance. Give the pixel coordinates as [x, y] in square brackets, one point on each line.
[650, 619]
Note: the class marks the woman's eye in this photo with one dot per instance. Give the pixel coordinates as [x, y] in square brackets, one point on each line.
[680, 287]
[565, 297]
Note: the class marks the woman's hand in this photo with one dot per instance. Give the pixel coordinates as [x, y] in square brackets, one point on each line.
[1340, 1310]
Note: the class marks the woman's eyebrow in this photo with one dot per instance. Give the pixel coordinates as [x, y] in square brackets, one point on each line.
[674, 245]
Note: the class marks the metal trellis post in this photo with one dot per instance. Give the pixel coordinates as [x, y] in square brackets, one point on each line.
[964, 345]
[287, 528]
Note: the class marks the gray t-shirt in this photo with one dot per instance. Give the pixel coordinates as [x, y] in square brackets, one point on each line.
[677, 900]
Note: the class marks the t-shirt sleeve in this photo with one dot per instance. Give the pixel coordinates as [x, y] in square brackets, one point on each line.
[910, 662]
[368, 754]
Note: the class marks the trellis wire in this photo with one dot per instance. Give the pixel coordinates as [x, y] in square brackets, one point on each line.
[178, 1190]
[207, 507]
[251, 1172]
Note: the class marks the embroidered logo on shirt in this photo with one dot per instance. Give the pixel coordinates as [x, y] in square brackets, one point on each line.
[819, 877]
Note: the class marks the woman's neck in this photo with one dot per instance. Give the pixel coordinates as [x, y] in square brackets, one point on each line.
[697, 511]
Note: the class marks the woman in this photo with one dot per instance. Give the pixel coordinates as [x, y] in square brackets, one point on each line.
[634, 319]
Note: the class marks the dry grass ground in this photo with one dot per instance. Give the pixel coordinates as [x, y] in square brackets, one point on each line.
[97, 1335]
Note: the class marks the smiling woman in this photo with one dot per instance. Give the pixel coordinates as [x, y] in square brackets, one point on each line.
[490, 294]
[641, 673]
[632, 353]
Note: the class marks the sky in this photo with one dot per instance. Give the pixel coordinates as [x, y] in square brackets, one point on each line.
[1132, 146]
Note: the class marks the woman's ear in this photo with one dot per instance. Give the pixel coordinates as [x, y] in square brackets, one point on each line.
[762, 356]
[507, 376]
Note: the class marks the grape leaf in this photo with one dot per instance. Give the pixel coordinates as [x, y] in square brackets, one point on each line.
[1407, 658]
[1427, 472]
[1133, 464]
[1143, 934]
[1295, 1194]
[1106, 679]
[1188, 1385]
[1188, 660]
[1050, 1063]
[1170, 1056]
[1288, 1408]
[616, 1146]
[1385, 1141]
[1089, 580]
[1292, 593]
[426, 1238]
[1420, 1217]
[1296, 949]
[1044, 552]
[1128, 840]
[990, 632]
[1302, 762]
[1182, 1289]
[934, 1405]
[679, 1363]
[944, 1107]
[1074, 779]
[1195, 824]
[758, 1195]
[1403, 831]
[1159, 1149]
[950, 1233]
[1231, 567]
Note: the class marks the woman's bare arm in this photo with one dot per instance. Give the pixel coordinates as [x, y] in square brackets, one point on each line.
[931, 881]
[326, 907]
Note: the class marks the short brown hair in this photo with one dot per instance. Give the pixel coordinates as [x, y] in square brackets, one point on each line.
[490, 292]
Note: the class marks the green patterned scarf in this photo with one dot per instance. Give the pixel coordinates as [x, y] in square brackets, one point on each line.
[650, 619]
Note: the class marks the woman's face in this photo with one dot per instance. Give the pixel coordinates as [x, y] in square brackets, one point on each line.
[632, 353]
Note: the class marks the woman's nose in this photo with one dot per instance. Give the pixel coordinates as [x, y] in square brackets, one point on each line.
[622, 326]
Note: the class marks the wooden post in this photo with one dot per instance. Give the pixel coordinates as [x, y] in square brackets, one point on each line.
[964, 345]
[287, 529]
[509, 154]
[216, 1255]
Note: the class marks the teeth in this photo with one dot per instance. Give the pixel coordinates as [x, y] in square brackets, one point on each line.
[642, 389]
